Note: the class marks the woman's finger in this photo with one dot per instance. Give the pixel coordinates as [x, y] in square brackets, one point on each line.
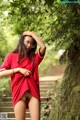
[27, 74]
[24, 33]
[28, 71]
[27, 33]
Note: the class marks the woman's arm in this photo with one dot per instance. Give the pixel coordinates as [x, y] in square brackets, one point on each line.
[40, 43]
[38, 40]
[8, 72]
[15, 70]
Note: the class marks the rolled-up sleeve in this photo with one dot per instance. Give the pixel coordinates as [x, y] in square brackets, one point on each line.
[39, 58]
[6, 63]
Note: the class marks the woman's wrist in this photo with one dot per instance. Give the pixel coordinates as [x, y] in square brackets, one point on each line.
[15, 70]
[34, 35]
[12, 71]
[18, 69]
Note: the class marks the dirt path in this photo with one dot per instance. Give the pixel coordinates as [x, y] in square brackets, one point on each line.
[54, 74]
[56, 70]
[51, 78]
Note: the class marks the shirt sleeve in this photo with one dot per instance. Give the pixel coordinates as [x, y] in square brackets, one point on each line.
[6, 63]
[39, 58]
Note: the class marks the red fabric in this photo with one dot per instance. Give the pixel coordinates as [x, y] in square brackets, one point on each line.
[20, 83]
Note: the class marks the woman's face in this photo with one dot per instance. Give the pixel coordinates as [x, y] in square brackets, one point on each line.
[28, 42]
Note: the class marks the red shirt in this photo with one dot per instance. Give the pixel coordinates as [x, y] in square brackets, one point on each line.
[20, 83]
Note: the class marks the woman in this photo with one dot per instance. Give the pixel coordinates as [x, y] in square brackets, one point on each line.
[22, 65]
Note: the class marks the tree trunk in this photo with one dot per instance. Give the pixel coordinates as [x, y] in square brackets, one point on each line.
[69, 108]
[67, 105]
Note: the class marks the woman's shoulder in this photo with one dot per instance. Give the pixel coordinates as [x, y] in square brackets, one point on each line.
[12, 54]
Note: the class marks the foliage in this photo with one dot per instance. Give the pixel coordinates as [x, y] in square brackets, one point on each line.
[43, 117]
[53, 23]
[5, 86]
[55, 98]
[3, 46]
[51, 59]
[59, 23]
[3, 40]
[30, 16]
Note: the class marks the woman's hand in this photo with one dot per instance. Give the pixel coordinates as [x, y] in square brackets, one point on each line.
[28, 33]
[24, 71]
[38, 40]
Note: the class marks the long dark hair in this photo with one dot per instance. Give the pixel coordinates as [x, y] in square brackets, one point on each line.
[22, 51]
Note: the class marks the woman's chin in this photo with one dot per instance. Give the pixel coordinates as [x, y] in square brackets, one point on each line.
[28, 49]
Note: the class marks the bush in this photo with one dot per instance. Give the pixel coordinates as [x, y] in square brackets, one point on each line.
[5, 86]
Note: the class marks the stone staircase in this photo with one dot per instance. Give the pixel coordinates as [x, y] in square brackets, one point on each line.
[46, 84]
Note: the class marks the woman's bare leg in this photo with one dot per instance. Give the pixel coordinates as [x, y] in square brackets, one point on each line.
[20, 110]
[34, 107]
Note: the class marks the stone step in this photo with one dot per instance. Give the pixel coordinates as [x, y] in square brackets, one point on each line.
[10, 103]
[45, 90]
[46, 86]
[12, 115]
[42, 91]
[8, 109]
[10, 98]
[7, 98]
[51, 78]
[14, 119]
[47, 81]
[43, 94]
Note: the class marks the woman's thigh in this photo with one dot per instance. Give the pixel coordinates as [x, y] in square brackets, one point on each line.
[20, 110]
[34, 108]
